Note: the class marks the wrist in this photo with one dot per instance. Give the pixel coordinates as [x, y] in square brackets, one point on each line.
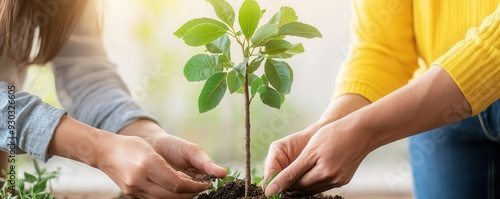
[361, 128]
[341, 107]
[75, 140]
[145, 129]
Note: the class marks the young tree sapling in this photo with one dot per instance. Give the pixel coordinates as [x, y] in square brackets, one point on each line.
[264, 45]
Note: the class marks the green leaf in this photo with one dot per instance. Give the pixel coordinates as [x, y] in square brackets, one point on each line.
[222, 61]
[256, 177]
[277, 46]
[282, 98]
[29, 178]
[255, 64]
[300, 30]
[296, 49]
[241, 68]
[192, 23]
[264, 80]
[270, 97]
[280, 75]
[251, 78]
[221, 45]
[203, 34]
[212, 48]
[256, 84]
[214, 89]
[249, 17]
[224, 11]
[200, 67]
[262, 12]
[284, 16]
[38, 170]
[234, 81]
[271, 178]
[240, 91]
[21, 186]
[40, 186]
[264, 34]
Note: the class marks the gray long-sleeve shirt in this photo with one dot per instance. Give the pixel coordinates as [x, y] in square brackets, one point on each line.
[88, 87]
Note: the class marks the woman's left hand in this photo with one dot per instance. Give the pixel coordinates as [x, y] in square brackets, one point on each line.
[329, 160]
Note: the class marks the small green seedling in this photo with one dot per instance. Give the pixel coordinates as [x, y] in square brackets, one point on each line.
[277, 196]
[33, 186]
[256, 177]
[264, 45]
[232, 176]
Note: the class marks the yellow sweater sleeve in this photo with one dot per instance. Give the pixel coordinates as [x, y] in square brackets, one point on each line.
[382, 55]
[474, 63]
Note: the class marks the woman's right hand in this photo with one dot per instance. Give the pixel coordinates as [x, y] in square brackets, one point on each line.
[284, 151]
[140, 171]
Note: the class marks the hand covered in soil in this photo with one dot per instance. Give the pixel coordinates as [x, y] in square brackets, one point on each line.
[328, 160]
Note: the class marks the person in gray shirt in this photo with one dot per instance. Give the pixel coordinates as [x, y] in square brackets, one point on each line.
[101, 125]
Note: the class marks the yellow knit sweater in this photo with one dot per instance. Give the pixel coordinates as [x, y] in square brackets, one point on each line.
[396, 40]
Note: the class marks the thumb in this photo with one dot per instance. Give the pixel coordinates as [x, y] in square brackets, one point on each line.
[289, 175]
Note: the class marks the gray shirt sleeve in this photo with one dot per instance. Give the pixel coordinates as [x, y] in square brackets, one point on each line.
[34, 122]
[88, 84]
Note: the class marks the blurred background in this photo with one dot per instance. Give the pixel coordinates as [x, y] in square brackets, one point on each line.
[138, 37]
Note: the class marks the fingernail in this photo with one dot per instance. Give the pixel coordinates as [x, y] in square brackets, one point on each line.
[272, 190]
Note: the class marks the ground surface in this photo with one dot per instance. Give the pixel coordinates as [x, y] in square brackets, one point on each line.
[346, 195]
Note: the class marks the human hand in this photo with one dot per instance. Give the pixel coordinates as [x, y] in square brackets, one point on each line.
[135, 166]
[329, 160]
[180, 154]
[185, 156]
[285, 150]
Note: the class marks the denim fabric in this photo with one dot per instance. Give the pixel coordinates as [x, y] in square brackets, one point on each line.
[35, 122]
[460, 160]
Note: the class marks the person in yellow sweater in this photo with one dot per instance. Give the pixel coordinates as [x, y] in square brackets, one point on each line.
[413, 66]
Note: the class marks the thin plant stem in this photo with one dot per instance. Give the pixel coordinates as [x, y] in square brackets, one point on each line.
[248, 176]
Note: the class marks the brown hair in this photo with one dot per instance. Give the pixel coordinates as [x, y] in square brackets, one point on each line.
[33, 31]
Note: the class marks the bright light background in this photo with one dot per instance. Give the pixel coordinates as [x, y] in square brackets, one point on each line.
[139, 39]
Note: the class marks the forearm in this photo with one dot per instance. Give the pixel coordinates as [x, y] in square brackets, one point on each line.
[430, 101]
[343, 106]
[87, 82]
[95, 96]
[75, 140]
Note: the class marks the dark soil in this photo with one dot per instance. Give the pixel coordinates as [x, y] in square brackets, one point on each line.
[236, 190]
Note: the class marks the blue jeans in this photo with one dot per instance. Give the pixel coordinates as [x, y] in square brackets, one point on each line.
[460, 160]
